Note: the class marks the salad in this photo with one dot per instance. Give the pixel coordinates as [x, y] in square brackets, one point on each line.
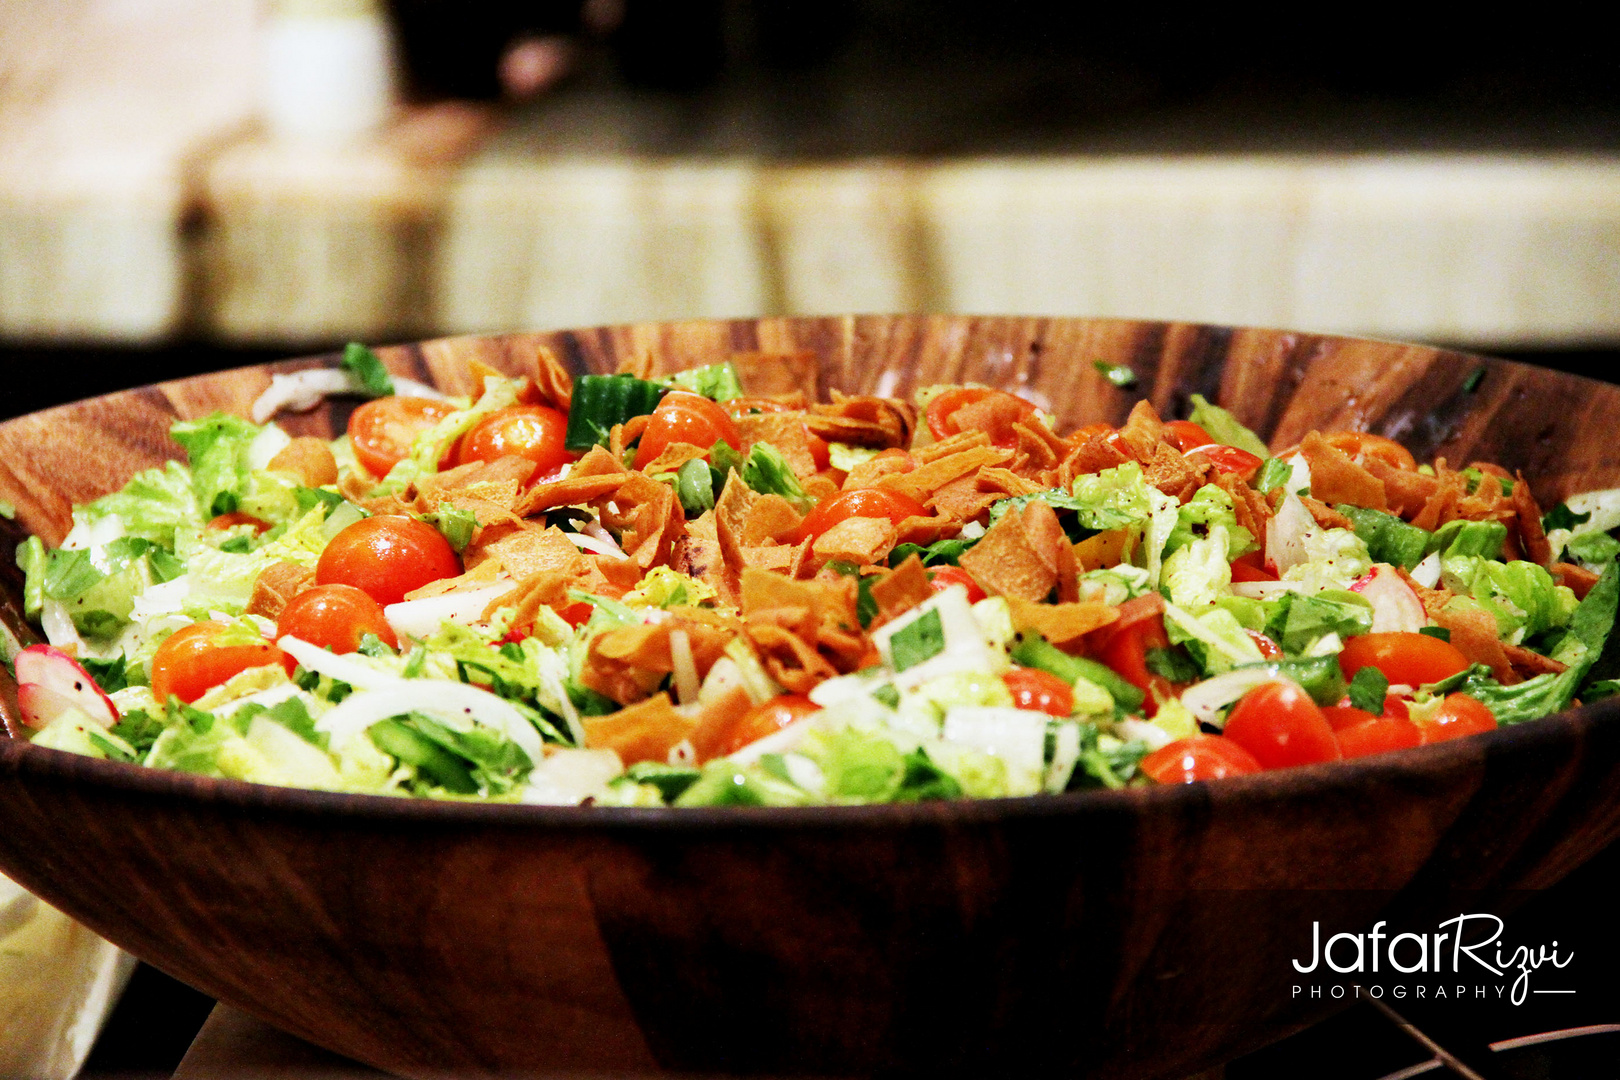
[634, 590]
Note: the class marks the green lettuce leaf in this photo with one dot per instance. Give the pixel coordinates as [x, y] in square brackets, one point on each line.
[368, 370]
[768, 472]
[716, 381]
[217, 448]
[1225, 428]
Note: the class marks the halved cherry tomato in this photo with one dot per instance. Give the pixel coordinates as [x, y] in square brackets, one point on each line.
[383, 429]
[1377, 735]
[1039, 691]
[1458, 715]
[1005, 408]
[1404, 657]
[386, 557]
[1185, 434]
[1343, 716]
[1251, 567]
[334, 617]
[235, 518]
[1281, 726]
[192, 660]
[529, 431]
[1140, 627]
[766, 719]
[941, 578]
[859, 502]
[1198, 757]
[1230, 459]
[685, 418]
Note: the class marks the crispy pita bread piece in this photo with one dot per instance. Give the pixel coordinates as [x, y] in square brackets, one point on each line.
[771, 520]
[1473, 629]
[789, 659]
[922, 482]
[530, 550]
[997, 414]
[646, 515]
[783, 430]
[1325, 515]
[901, 589]
[1169, 470]
[1007, 482]
[553, 382]
[1579, 579]
[628, 663]
[309, 459]
[963, 500]
[1039, 446]
[1093, 453]
[1062, 624]
[546, 589]
[1529, 663]
[870, 472]
[673, 457]
[484, 574]
[277, 584]
[645, 731]
[1441, 504]
[1532, 537]
[863, 420]
[772, 374]
[1336, 478]
[951, 444]
[1024, 555]
[859, 540]
[1143, 432]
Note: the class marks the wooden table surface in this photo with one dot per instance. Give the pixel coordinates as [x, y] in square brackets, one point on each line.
[139, 201]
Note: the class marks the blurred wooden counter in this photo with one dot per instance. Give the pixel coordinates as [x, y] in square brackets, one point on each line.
[136, 209]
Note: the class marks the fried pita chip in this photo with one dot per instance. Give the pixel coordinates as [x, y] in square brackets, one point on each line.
[1092, 454]
[1143, 432]
[1472, 628]
[481, 576]
[868, 473]
[860, 540]
[1006, 482]
[546, 589]
[1336, 478]
[923, 481]
[646, 731]
[1405, 491]
[786, 432]
[767, 374]
[673, 457]
[552, 380]
[1107, 549]
[648, 517]
[277, 584]
[1578, 578]
[1022, 555]
[771, 519]
[1169, 470]
[789, 659]
[571, 490]
[1440, 506]
[902, 589]
[863, 420]
[1528, 663]
[1061, 623]
[1325, 515]
[951, 444]
[961, 499]
[309, 459]
[720, 729]
[530, 551]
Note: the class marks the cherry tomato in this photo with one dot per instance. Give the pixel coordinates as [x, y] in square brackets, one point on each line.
[1281, 726]
[1343, 716]
[1185, 434]
[1008, 410]
[1251, 567]
[685, 418]
[334, 617]
[1404, 657]
[191, 661]
[941, 578]
[386, 557]
[529, 431]
[1377, 735]
[383, 429]
[1458, 715]
[233, 519]
[763, 720]
[1198, 757]
[1039, 691]
[1139, 629]
[1230, 459]
[860, 502]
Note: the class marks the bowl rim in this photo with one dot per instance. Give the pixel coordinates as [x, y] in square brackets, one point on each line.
[1454, 757]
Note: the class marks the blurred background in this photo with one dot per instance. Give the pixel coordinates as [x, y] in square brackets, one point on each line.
[194, 184]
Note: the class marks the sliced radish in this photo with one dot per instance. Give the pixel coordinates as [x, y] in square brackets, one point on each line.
[1396, 608]
[49, 682]
[1427, 572]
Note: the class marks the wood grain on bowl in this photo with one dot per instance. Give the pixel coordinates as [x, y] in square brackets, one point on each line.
[1131, 933]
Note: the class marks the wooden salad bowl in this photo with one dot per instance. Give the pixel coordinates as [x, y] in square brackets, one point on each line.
[1136, 933]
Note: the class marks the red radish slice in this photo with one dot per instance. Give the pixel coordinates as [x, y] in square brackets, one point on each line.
[1396, 608]
[49, 682]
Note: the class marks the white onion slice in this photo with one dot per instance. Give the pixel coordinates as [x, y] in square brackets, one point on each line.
[568, 777]
[687, 687]
[1427, 572]
[1205, 700]
[342, 668]
[600, 547]
[455, 705]
[303, 390]
[777, 742]
[420, 618]
[1285, 534]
